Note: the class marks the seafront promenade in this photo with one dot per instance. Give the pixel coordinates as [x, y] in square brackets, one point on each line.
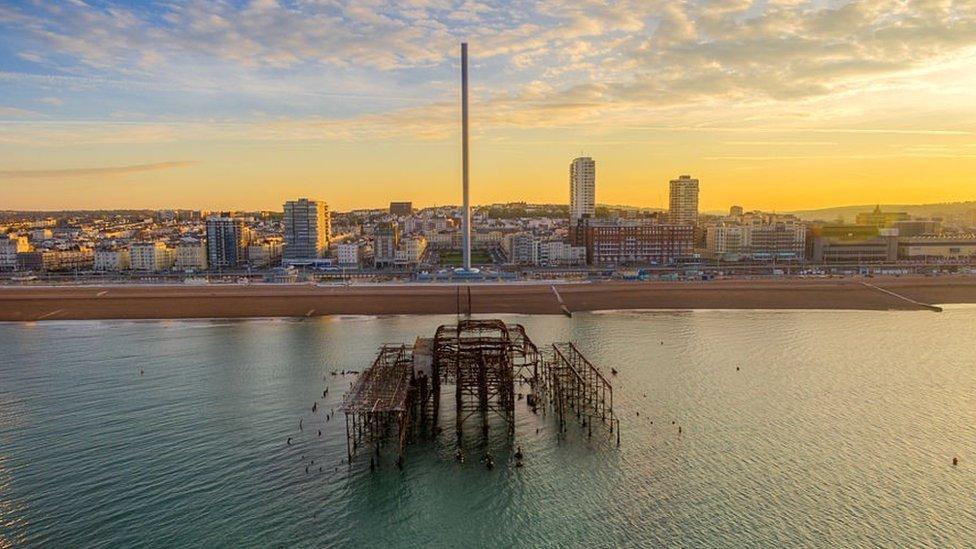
[31, 303]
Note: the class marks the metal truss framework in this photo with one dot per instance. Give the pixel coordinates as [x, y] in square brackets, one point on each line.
[483, 360]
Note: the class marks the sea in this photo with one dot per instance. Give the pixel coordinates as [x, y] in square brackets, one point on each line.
[798, 429]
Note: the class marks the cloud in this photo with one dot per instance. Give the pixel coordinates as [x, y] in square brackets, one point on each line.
[563, 62]
[53, 101]
[100, 171]
[15, 112]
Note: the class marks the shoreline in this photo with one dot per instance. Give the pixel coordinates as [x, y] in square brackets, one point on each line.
[161, 302]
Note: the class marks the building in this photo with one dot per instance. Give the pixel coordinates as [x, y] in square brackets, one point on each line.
[191, 255]
[558, 252]
[386, 241]
[347, 253]
[736, 211]
[582, 189]
[521, 248]
[264, 253]
[401, 209]
[879, 218]
[10, 246]
[779, 240]
[917, 227]
[853, 244]
[78, 259]
[683, 200]
[411, 251]
[227, 240]
[726, 241]
[111, 259]
[936, 247]
[487, 239]
[633, 242]
[307, 227]
[40, 235]
[151, 256]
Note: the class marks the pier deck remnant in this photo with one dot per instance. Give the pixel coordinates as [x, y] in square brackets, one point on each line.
[381, 398]
[578, 387]
[484, 360]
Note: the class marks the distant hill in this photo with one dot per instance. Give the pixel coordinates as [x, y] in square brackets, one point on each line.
[848, 213]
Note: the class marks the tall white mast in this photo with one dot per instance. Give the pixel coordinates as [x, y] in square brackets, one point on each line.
[466, 207]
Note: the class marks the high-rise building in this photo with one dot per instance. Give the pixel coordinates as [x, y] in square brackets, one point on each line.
[306, 227]
[683, 203]
[227, 240]
[582, 189]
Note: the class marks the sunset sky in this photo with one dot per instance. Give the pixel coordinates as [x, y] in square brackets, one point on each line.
[777, 104]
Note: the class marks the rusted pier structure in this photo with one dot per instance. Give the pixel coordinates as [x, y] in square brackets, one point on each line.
[381, 399]
[577, 387]
[483, 361]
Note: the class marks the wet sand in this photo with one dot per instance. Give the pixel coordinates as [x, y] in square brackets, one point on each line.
[146, 302]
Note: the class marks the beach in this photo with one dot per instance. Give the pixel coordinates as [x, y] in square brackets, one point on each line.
[31, 303]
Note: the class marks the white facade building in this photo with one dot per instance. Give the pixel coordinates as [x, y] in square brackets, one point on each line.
[783, 240]
[521, 248]
[683, 200]
[151, 256]
[725, 241]
[558, 252]
[115, 259]
[411, 250]
[191, 255]
[264, 253]
[582, 189]
[348, 253]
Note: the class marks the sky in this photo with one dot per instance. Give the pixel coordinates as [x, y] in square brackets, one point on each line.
[234, 104]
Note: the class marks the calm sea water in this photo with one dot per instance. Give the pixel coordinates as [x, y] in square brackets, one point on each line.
[838, 430]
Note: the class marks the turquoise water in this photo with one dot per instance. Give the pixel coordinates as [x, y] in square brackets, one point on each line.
[838, 430]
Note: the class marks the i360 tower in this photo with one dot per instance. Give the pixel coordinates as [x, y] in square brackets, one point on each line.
[466, 206]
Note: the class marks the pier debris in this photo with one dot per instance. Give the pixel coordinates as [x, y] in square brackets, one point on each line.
[399, 395]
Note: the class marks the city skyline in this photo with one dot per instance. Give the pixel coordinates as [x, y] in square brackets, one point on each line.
[781, 105]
